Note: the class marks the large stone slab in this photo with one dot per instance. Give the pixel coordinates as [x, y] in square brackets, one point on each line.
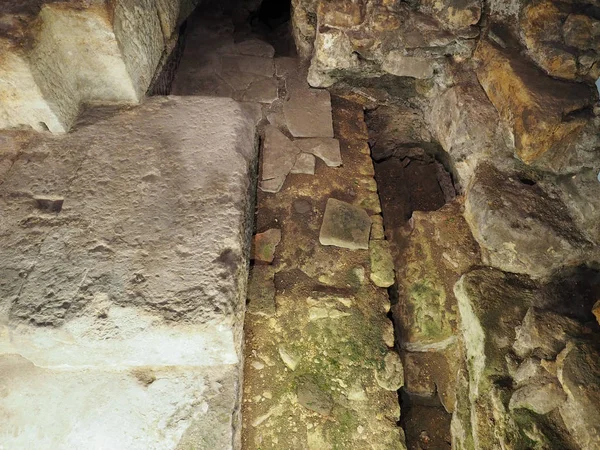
[125, 244]
[308, 113]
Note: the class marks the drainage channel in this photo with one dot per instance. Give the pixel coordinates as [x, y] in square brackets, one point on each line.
[413, 187]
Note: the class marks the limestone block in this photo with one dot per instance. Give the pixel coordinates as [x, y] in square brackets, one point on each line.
[401, 65]
[345, 225]
[136, 242]
[138, 409]
[308, 113]
[59, 56]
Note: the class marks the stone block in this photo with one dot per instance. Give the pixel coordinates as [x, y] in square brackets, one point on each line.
[345, 225]
[125, 245]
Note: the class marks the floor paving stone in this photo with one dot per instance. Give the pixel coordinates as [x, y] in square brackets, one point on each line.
[324, 148]
[305, 164]
[308, 113]
[278, 156]
[345, 225]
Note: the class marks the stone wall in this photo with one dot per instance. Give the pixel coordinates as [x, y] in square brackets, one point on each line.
[509, 93]
[58, 56]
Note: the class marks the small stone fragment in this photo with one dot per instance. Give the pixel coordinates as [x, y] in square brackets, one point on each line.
[261, 291]
[407, 66]
[345, 225]
[289, 359]
[377, 231]
[596, 308]
[311, 396]
[382, 263]
[324, 148]
[302, 206]
[391, 377]
[264, 245]
[541, 399]
[305, 163]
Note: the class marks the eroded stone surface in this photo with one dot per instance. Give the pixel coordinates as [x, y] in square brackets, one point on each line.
[159, 281]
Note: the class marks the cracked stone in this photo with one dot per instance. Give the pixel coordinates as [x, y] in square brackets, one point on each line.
[308, 113]
[279, 156]
[324, 148]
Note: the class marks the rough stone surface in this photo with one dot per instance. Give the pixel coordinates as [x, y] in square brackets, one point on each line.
[520, 227]
[48, 72]
[541, 399]
[382, 264]
[279, 155]
[305, 163]
[537, 115]
[345, 225]
[158, 282]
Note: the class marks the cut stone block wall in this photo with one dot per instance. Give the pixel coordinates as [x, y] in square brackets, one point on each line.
[61, 55]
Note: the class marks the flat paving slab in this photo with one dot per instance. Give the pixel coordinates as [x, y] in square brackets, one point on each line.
[308, 112]
[125, 245]
[345, 225]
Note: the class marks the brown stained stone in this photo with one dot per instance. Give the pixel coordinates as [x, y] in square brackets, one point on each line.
[345, 225]
[265, 244]
[453, 14]
[533, 104]
[596, 311]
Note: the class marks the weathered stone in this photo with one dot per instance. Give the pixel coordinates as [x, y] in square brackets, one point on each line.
[539, 398]
[264, 245]
[528, 371]
[537, 114]
[520, 228]
[304, 23]
[328, 150]
[391, 376]
[255, 47]
[311, 396]
[401, 65]
[439, 249]
[261, 291]
[596, 311]
[468, 128]
[145, 265]
[345, 225]
[279, 155]
[579, 375]
[305, 163]
[453, 14]
[341, 13]
[382, 264]
[308, 113]
[377, 231]
[544, 334]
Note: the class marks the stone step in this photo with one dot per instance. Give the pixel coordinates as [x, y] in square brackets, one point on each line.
[125, 246]
[60, 56]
